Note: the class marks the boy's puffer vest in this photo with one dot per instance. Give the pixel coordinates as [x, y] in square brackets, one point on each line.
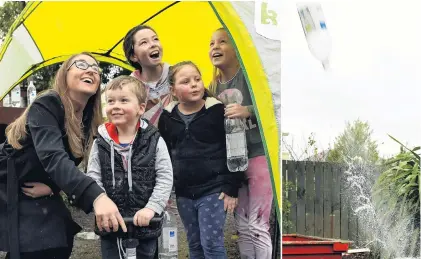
[143, 174]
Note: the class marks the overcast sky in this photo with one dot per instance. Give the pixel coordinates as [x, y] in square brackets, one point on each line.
[375, 75]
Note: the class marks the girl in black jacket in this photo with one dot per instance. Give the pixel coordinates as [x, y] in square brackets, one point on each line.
[193, 128]
[40, 157]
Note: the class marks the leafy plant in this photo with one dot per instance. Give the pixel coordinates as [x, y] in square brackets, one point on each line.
[286, 206]
[401, 180]
[397, 195]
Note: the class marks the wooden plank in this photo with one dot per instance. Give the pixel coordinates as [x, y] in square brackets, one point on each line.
[284, 193]
[336, 201]
[284, 171]
[327, 201]
[344, 205]
[352, 226]
[318, 200]
[301, 202]
[310, 193]
[363, 236]
[292, 195]
[284, 177]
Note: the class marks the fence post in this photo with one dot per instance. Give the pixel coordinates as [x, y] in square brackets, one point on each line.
[327, 200]
[292, 195]
[310, 213]
[318, 200]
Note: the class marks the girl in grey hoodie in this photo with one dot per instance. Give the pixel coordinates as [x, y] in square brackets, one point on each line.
[130, 161]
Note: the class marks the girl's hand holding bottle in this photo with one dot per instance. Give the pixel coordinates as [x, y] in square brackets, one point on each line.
[236, 110]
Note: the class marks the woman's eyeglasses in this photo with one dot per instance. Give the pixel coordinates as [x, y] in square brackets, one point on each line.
[83, 65]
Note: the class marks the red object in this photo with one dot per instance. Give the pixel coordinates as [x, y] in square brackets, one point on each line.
[306, 247]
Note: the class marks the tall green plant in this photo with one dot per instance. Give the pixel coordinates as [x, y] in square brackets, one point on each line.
[401, 180]
[397, 194]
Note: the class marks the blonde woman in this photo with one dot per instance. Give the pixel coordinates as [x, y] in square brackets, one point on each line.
[48, 141]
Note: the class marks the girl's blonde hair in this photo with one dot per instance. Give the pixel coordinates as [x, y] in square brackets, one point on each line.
[16, 132]
[215, 75]
[214, 82]
[177, 67]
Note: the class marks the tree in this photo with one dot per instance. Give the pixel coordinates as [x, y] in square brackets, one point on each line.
[355, 141]
[8, 14]
[43, 77]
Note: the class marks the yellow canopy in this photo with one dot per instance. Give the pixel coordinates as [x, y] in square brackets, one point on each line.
[49, 32]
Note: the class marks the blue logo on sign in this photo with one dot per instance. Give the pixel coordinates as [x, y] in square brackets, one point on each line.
[172, 233]
[323, 25]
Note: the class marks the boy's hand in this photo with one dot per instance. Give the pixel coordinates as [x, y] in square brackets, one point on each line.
[36, 190]
[143, 217]
[229, 202]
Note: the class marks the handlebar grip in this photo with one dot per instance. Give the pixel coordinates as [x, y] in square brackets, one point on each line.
[129, 220]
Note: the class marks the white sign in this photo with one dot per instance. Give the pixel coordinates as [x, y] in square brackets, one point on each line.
[267, 18]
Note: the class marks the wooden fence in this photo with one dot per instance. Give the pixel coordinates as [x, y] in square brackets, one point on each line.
[318, 206]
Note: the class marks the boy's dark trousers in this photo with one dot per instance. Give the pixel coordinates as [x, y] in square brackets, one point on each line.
[147, 248]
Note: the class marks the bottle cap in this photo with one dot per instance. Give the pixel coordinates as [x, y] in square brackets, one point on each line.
[326, 65]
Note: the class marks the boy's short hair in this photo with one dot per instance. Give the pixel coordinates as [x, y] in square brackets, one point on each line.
[138, 88]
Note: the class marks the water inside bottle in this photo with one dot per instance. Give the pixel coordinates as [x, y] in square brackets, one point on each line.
[236, 143]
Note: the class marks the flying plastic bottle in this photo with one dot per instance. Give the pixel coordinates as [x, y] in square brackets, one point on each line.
[315, 30]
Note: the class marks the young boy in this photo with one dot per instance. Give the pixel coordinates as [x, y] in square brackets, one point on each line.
[130, 160]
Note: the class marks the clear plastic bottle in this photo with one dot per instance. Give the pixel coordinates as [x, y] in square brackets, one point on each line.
[314, 26]
[31, 92]
[16, 99]
[168, 242]
[235, 132]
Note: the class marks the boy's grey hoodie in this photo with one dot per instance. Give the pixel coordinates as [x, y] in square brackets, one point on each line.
[164, 171]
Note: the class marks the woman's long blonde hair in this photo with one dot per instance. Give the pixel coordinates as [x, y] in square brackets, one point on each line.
[16, 132]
